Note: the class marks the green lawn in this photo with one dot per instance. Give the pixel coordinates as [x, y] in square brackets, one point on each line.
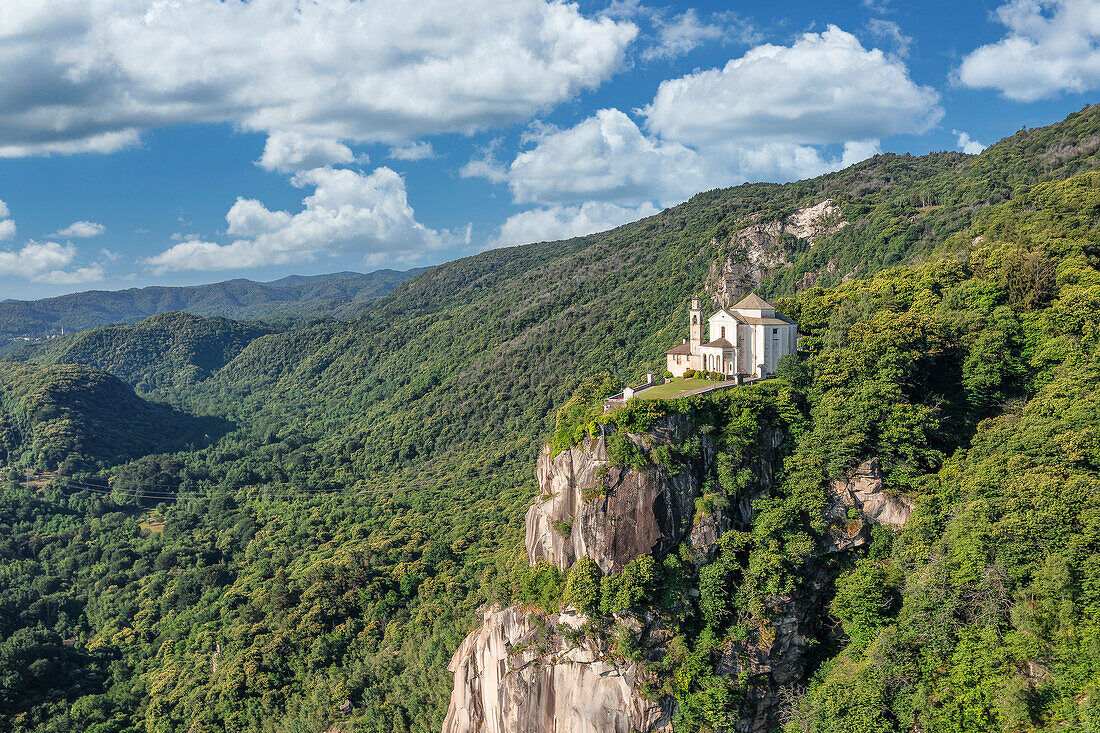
[674, 388]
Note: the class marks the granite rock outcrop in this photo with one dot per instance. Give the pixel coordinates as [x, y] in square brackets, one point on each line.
[859, 502]
[524, 672]
[613, 515]
[758, 249]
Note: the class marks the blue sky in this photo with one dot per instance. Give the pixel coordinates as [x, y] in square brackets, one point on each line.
[147, 142]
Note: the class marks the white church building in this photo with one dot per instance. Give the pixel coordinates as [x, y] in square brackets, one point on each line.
[748, 339]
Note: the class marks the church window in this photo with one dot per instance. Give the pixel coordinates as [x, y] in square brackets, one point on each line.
[775, 331]
[723, 331]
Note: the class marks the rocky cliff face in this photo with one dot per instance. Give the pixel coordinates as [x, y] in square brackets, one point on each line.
[524, 670]
[772, 659]
[736, 511]
[757, 249]
[858, 503]
[521, 673]
[610, 514]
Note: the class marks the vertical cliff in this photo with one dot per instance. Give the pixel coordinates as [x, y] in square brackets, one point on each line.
[525, 669]
[614, 514]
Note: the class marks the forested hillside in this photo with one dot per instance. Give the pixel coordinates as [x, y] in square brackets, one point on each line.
[158, 355]
[322, 561]
[78, 418]
[340, 294]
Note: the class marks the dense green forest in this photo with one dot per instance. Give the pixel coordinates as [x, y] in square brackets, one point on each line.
[73, 417]
[360, 489]
[341, 294]
[158, 355]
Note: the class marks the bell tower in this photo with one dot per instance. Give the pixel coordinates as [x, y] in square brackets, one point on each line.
[696, 325]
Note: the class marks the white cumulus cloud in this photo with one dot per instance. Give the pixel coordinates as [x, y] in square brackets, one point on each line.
[420, 150]
[7, 224]
[562, 222]
[824, 88]
[890, 31]
[289, 152]
[485, 164]
[686, 32]
[80, 275]
[34, 258]
[81, 230]
[1051, 47]
[608, 158]
[90, 76]
[349, 212]
[43, 262]
[967, 144]
[777, 113]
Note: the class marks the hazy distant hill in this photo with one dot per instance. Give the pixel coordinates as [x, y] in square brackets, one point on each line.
[337, 294]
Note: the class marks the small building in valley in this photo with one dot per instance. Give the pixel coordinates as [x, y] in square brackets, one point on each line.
[748, 339]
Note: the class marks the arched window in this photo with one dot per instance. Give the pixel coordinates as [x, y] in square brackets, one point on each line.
[694, 320]
[723, 331]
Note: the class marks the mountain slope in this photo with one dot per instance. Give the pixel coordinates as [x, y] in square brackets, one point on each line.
[336, 294]
[160, 354]
[85, 418]
[495, 341]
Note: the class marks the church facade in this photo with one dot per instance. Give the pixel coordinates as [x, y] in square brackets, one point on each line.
[748, 339]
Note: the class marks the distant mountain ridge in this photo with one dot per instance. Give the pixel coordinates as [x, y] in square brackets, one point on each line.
[337, 294]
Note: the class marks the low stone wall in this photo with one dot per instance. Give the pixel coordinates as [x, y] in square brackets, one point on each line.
[616, 401]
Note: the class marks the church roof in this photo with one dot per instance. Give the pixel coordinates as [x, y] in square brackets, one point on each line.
[726, 313]
[752, 301]
[681, 349]
[777, 321]
[720, 344]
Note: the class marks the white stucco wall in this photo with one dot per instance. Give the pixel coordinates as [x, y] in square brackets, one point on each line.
[719, 321]
[777, 341]
[753, 345]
